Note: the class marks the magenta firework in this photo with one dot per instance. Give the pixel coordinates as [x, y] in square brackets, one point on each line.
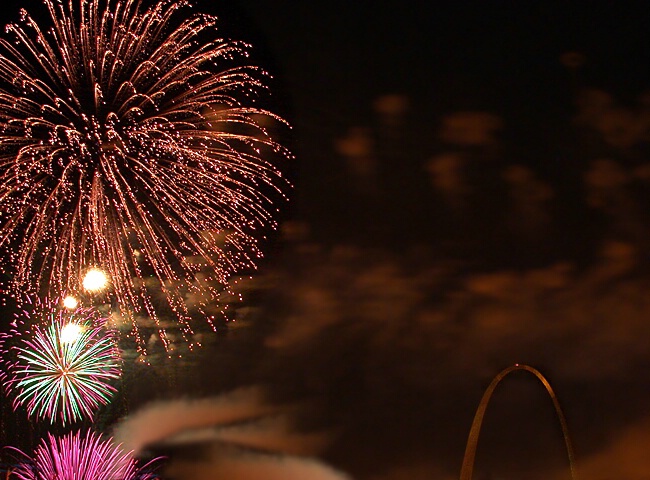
[64, 371]
[81, 457]
[131, 140]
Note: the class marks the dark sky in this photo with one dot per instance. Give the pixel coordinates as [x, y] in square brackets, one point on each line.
[334, 59]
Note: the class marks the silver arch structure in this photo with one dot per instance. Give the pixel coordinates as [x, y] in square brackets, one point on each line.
[467, 468]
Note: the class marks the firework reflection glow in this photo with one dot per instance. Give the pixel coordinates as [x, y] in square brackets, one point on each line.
[130, 138]
[74, 456]
[62, 372]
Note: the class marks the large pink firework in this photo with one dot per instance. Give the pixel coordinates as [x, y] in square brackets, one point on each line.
[80, 457]
[130, 140]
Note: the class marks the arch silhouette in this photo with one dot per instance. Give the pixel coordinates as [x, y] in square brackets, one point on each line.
[467, 468]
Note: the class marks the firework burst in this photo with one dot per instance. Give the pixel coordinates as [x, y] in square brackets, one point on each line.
[130, 140]
[74, 456]
[63, 371]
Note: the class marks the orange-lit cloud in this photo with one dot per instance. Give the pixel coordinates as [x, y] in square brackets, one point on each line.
[221, 463]
[619, 126]
[470, 128]
[625, 455]
[237, 436]
[448, 178]
[391, 108]
[160, 420]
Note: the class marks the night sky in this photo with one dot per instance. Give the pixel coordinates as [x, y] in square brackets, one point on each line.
[334, 60]
[401, 308]
[470, 191]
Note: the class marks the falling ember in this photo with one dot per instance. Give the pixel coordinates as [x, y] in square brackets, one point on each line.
[62, 372]
[129, 139]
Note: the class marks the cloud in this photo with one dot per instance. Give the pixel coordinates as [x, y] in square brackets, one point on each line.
[414, 471]
[448, 177]
[624, 456]
[235, 465]
[494, 317]
[357, 147]
[619, 126]
[573, 60]
[162, 419]
[271, 434]
[391, 107]
[236, 436]
[470, 129]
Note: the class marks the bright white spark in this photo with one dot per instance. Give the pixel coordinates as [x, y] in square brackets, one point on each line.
[95, 280]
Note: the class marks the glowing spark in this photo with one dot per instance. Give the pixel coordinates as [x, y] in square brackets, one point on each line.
[74, 456]
[62, 372]
[70, 302]
[95, 280]
[129, 139]
[71, 332]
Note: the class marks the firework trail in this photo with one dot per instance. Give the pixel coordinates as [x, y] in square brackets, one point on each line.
[130, 141]
[61, 372]
[74, 456]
